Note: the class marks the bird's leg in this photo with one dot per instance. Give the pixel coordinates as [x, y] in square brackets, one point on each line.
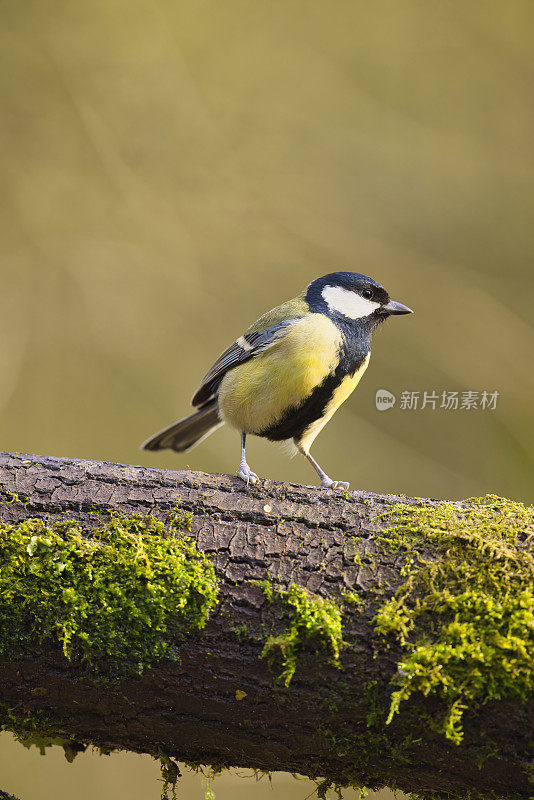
[326, 482]
[244, 472]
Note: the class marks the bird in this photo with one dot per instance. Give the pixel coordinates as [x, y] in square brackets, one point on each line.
[284, 378]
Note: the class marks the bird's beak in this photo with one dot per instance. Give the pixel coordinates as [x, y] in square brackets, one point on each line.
[396, 308]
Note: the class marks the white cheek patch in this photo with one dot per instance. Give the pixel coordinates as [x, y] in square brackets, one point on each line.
[350, 304]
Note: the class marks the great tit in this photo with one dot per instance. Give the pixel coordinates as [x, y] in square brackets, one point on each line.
[290, 371]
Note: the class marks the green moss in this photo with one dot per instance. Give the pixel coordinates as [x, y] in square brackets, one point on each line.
[309, 619]
[351, 597]
[240, 632]
[11, 498]
[368, 756]
[40, 729]
[464, 617]
[180, 519]
[170, 773]
[111, 598]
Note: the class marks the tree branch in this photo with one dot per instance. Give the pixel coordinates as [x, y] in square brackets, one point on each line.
[221, 703]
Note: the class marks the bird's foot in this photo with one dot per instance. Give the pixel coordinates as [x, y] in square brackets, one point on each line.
[328, 483]
[245, 473]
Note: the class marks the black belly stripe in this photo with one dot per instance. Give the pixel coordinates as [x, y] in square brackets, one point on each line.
[297, 418]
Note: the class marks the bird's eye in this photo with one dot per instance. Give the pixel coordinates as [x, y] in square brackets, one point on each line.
[367, 293]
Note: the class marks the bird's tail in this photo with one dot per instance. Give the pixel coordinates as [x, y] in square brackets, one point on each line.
[187, 432]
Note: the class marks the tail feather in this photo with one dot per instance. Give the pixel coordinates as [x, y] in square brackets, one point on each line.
[187, 432]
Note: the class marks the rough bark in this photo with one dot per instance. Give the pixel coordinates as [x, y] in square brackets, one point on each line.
[323, 720]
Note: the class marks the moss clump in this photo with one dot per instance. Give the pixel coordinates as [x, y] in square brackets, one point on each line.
[465, 617]
[310, 618]
[110, 598]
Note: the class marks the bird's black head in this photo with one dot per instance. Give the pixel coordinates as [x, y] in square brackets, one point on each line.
[349, 298]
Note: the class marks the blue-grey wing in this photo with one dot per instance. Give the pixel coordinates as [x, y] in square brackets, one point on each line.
[244, 348]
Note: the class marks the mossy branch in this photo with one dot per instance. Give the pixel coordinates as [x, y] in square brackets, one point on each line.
[359, 639]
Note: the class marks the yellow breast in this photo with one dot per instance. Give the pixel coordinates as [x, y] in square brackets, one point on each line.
[256, 394]
[345, 388]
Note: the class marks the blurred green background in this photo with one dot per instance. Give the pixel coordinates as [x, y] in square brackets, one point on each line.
[170, 170]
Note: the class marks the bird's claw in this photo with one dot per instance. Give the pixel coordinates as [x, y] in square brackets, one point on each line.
[328, 483]
[245, 473]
